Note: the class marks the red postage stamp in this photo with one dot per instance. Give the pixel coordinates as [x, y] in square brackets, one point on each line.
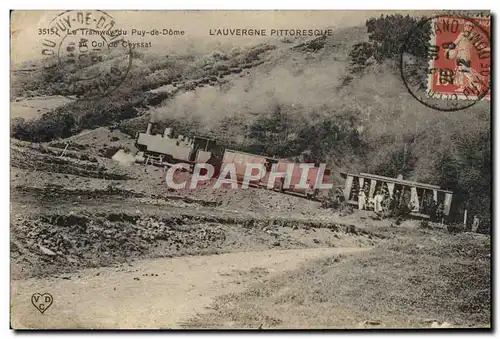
[460, 54]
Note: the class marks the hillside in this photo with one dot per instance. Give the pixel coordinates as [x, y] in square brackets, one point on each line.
[297, 98]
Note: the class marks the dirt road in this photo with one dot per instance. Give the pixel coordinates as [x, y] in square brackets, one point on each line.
[159, 293]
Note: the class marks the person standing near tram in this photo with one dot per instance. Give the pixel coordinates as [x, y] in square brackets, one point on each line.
[361, 199]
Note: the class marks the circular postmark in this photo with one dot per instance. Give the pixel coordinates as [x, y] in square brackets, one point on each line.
[85, 55]
[445, 61]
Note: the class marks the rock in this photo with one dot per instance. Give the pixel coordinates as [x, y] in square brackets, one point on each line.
[273, 233]
[436, 324]
[316, 241]
[46, 251]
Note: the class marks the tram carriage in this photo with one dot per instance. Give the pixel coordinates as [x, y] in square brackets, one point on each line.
[419, 192]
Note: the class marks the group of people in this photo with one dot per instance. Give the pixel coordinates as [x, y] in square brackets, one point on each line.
[397, 204]
[380, 203]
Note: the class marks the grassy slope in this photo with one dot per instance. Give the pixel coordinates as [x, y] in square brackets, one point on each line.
[403, 283]
[29, 109]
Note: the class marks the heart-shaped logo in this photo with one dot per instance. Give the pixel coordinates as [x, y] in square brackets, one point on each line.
[42, 301]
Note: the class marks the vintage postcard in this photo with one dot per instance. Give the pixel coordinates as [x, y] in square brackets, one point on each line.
[250, 169]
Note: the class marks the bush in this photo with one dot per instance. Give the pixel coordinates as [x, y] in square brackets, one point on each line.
[387, 36]
[468, 171]
[19, 129]
[48, 127]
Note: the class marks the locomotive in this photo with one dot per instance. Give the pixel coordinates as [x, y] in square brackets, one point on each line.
[165, 149]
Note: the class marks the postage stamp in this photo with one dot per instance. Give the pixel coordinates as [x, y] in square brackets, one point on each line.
[460, 65]
[449, 68]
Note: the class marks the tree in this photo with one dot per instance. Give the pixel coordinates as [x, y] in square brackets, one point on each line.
[387, 36]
